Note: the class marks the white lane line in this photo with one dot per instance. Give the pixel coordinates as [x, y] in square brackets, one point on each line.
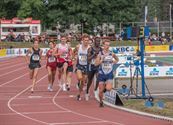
[30, 113]
[76, 123]
[162, 94]
[8, 63]
[40, 104]
[76, 113]
[17, 78]
[37, 97]
[21, 86]
[14, 79]
[7, 59]
[13, 110]
[11, 66]
[34, 97]
[13, 71]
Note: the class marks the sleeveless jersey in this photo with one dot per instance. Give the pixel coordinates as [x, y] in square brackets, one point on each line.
[35, 56]
[82, 56]
[93, 51]
[51, 60]
[64, 50]
[106, 66]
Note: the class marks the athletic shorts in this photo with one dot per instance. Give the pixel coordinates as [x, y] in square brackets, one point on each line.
[70, 68]
[92, 68]
[82, 68]
[60, 64]
[34, 65]
[53, 68]
[105, 77]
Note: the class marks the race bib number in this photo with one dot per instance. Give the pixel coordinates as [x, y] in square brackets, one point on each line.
[51, 59]
[83, 59]
[93, 61]
[107, 67]
[36, 57]
[63, 55]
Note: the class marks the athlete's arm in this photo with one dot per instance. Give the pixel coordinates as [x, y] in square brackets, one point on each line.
[98, 60]
[90, 55]
[74, 53]
[55, 51]
[41, 51]
[116, 59]
[76, 50]
[46, 57]
[29, 51]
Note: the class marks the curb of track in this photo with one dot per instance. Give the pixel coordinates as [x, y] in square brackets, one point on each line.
[137, 112]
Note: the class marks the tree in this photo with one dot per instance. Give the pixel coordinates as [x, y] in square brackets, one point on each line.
[95, 12]
[9, 8]
[31, 8]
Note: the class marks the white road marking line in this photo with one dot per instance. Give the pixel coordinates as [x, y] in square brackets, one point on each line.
[8, 63]
[13, 71]
[28, 113]
[10, 107]
[14, 79]
[34, 97]
[90, 117]
[40, 104]
[75, 123]
[11, 66]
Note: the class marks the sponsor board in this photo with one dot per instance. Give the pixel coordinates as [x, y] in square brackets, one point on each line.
[123, 49]
[2, 52]
[161, 71]
[22, 51]
[110, 96]
[157, 48]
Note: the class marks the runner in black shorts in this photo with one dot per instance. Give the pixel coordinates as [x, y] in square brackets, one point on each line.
[62, 49]
[34, 63]
[82, 63]
[93, 51]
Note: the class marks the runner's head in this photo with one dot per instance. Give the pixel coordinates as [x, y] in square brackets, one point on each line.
[85, 39]
[97, 41]
[106, 44]
[35, 44]
[51, 44]
[69, 43]
[63, 39]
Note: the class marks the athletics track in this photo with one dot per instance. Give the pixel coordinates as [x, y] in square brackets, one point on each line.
[19, 107]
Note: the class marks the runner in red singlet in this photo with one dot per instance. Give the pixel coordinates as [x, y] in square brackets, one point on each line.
[51, 65]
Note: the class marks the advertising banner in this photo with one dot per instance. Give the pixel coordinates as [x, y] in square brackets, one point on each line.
[157, 48]
[22, 51]
[123, 49]
[2, 52]
[161, 71]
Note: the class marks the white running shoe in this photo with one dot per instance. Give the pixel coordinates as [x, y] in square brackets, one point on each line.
[96, 94]
[79, 98]
[84, 88]
[87, 97]
[77, 86]
[50, 88]
[64, 87]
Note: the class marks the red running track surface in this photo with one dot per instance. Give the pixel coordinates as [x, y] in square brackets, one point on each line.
[19, 107]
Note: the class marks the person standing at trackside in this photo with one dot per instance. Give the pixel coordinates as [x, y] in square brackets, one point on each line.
[51, 65]
[34, 64]
[93, 51]
[62, 63]
[82, 63]
[105, 60]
